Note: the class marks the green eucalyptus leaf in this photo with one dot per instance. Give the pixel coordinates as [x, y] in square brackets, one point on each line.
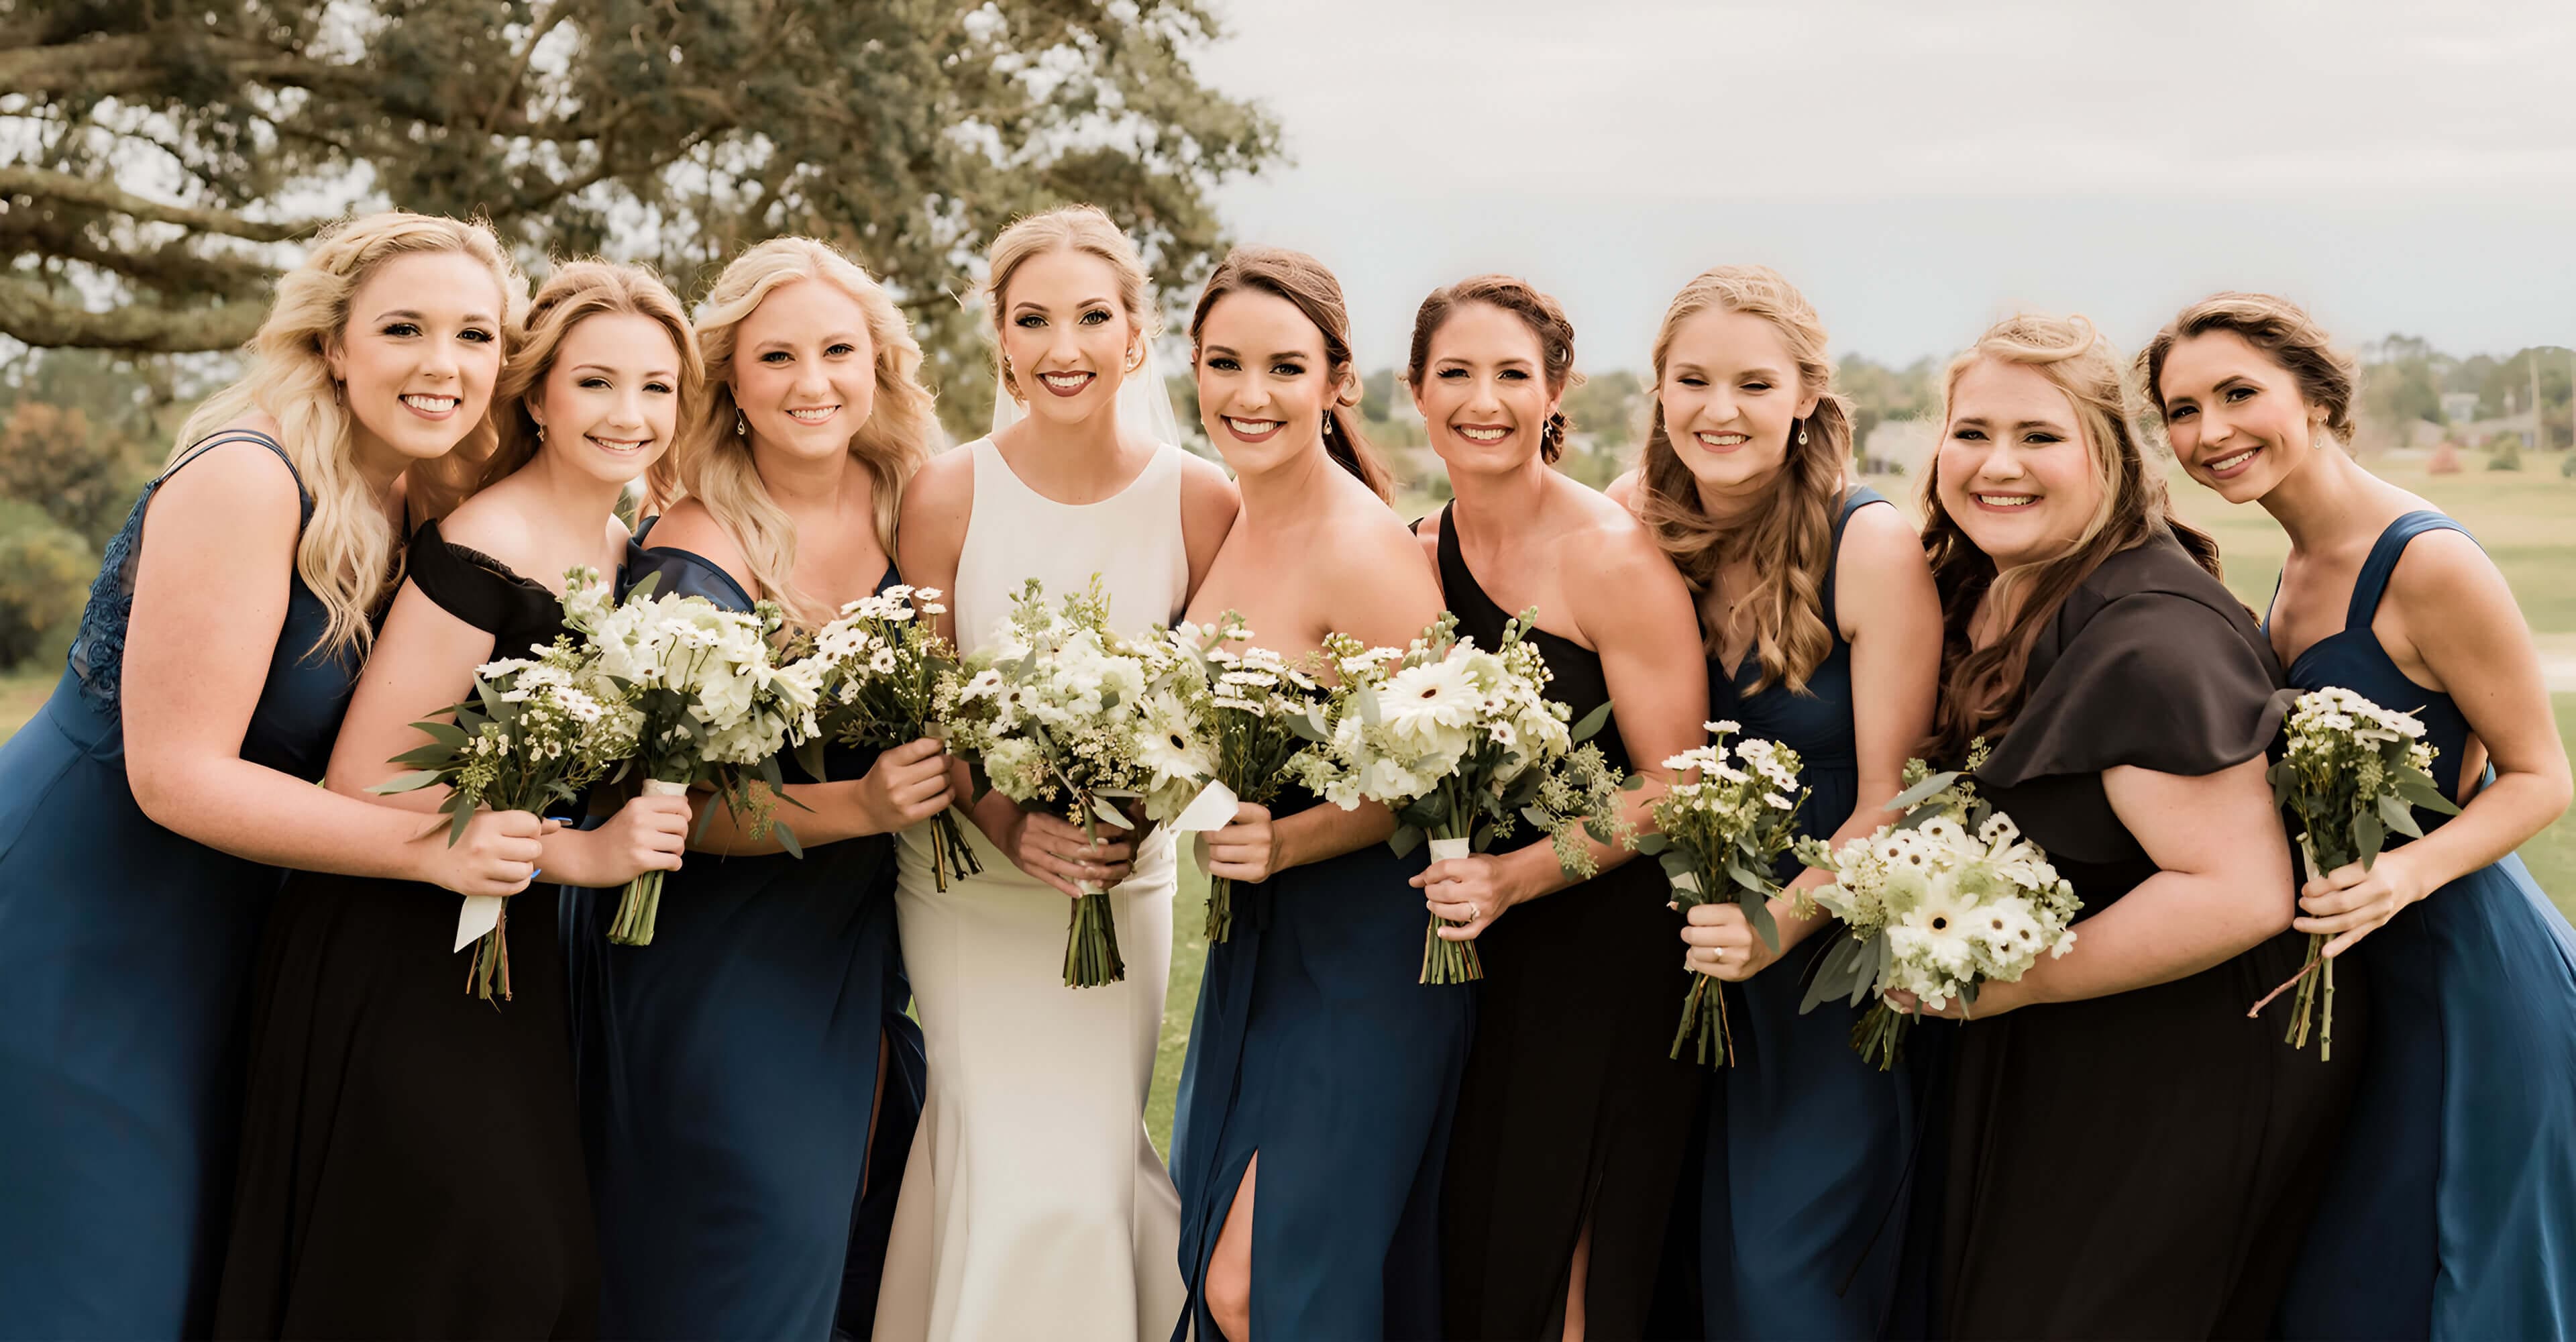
[1591, 724]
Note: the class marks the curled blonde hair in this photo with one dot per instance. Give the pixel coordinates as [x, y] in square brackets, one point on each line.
[349, 554]
[1788, 537]
[1074, 228]
[1982, 689]
[577, 291]
[712, 464]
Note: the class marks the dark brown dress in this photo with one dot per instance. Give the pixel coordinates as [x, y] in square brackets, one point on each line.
[2143, 1164]
[411, 1159]
[1571, 1112]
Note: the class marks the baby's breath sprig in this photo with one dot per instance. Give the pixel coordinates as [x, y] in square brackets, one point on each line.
[1721, 830]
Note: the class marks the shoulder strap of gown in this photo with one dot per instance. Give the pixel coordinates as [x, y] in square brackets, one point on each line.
[2372, 582]
[1860, 497]
[303, 496]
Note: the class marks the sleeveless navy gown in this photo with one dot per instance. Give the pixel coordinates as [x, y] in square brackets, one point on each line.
[1317, 1047]
[125, 955]
[728, 1072]
[2452, 1211]
[1803, 1150]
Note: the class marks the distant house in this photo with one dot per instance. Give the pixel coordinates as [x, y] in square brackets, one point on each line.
[2459, 406]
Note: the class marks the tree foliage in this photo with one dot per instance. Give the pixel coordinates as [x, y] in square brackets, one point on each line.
[157, 155]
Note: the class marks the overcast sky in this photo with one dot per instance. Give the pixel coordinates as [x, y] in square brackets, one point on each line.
[1919, 168]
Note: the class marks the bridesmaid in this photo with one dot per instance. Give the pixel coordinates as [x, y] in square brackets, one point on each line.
[2452, 1211]
[136, 867]
[1822, 633]
[1317, 1058]
[2128, 1154]
[733, 1067]
[1571, 1118]
[412, 1162]
[1033, 1204]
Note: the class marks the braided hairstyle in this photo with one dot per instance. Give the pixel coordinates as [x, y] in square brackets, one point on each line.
[1536, 310]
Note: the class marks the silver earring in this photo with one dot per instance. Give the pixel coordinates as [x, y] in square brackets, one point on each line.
[1802, 433]
[541, 433]
[741, 425]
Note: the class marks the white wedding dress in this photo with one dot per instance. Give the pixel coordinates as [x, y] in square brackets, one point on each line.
[1034, 1205]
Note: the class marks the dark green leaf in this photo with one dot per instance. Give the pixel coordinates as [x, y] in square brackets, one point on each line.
[1591, 724]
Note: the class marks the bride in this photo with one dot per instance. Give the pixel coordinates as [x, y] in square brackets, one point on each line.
[1033, 1204]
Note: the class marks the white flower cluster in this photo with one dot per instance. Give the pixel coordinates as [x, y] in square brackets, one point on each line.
[2334, 727]
[1057, 705]
[880, 663]
[685, 655]
[1402, 723]
[1957, 907]
[1718, 781]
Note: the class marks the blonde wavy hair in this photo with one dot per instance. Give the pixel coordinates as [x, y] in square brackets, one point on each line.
[576, 292]
[712, 463]
[349, 554]
[1075, 228]
[1982, 689]
[1787, 538]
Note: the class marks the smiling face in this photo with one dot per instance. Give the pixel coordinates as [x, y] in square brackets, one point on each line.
[804, 370]
[1264, 383]
[2014, 470]
[1068, 342]
[1483, 396]
[2235, 416]
[420, 353]
[609, 402]
[1731, 399]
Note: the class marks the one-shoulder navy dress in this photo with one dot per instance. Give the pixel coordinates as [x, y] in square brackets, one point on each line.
[1803, 1153]
[125, 955]
[2452, 1211]
[411, 1161]
[728, 1072]
[1317, 1047]
[1571, 1113]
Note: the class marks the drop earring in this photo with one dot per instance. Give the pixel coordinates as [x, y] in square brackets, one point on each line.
[1802, 433]
[541, 433]
[741, 425]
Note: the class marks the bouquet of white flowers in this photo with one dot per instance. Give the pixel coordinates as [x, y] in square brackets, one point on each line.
[533, 734]
[717, 704]
[1719, 834]
[1946, 898]
[1461, 742]
[1240, 716]
[1054, 711]
[2351, 772]
[882, 664]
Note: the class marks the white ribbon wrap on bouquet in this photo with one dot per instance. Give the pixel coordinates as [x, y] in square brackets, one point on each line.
[1449, 850]
[1212, 809]
[1687, 881]
[655, 787]
[481, 914]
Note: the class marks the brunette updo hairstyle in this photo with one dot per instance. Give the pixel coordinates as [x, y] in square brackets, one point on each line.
[1311, 289]
[1536, 310]
[2279, 328]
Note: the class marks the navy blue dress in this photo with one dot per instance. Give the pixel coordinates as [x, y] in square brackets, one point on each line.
[411, 1161]
[1804, 1143]
[728, 1071]
[2452, 1211]
[125, 954]
[1317, 1047]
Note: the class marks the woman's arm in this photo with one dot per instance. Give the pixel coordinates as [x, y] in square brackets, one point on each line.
[2464, 627]
[1884, 600]
[423, 662]
[1208, 505]
[210, 596]
[2222, 887]
[1640, 618]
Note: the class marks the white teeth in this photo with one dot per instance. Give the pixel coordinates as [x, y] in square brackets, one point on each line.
[2007, 500]
[620, 445]
[814, 416]
[2229, 463]
[1067, 381]
[1725, 439]
[1252, 427]
[435, 405]
[1483, 435]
